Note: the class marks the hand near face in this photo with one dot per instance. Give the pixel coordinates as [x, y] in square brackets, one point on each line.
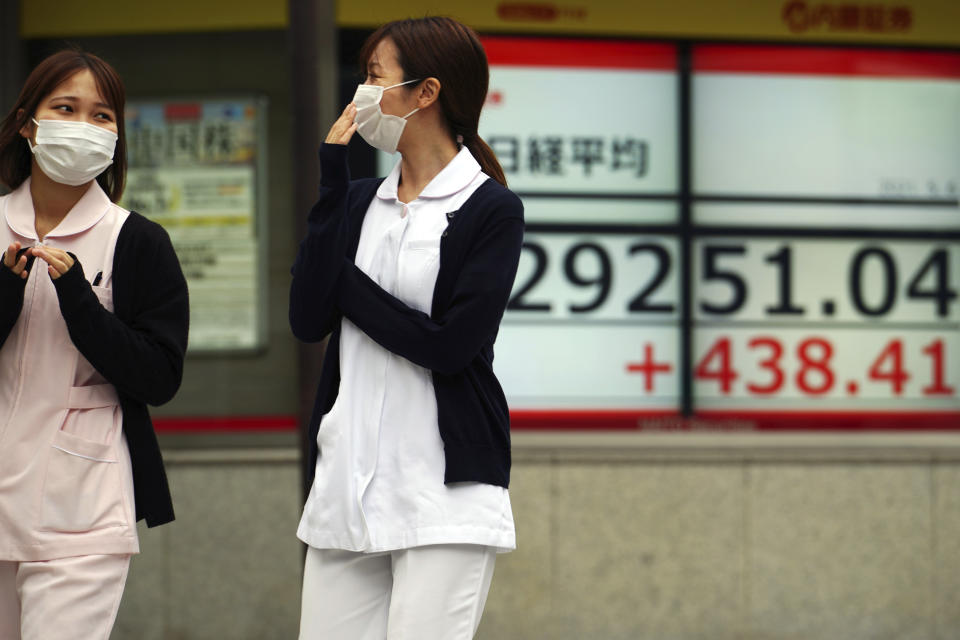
[58, 261]
[19, 267]
[344, 128]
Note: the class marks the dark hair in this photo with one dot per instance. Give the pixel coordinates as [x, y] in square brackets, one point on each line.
[15, 156]
[451, 52]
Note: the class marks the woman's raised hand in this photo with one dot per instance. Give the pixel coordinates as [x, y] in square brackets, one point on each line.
[344, 128]
[19, 267]
[58, 261]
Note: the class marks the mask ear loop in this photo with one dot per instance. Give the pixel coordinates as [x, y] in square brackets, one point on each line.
[30, 144]
[400, 84]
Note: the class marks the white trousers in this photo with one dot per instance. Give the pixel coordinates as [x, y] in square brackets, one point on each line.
[63, 599]
[424, 593]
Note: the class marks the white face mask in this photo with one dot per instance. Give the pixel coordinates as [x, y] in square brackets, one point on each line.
[73, 153]
[379, 130]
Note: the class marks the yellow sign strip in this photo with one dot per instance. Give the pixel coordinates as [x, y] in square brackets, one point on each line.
[55, 18]
[202, 221]
[918, 22]
[929, 22]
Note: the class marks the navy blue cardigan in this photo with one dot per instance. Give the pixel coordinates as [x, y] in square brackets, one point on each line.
[479, 253]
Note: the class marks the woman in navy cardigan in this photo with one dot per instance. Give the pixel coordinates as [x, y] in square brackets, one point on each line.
[409, 276]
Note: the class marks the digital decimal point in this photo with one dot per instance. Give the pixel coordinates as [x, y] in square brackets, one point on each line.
[852, 387]
[829, 307]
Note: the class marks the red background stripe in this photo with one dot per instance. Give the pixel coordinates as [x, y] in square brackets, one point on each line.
[225, 423]
[633, 420]
[566, 53]
[826, 61]
[587, 420]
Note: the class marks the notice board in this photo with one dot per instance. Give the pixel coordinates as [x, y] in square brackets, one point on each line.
[196, 168]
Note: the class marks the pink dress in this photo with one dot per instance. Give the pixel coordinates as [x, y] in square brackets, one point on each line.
[66, 485]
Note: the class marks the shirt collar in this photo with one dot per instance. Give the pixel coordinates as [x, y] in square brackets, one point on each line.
[456, 176]
[88, 211]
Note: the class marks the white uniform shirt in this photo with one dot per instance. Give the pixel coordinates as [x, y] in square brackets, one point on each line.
[379, 477]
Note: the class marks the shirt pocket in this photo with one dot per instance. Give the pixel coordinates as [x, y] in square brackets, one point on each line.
[83, 488]
[423, 245]
[418, 274]
[105, 295]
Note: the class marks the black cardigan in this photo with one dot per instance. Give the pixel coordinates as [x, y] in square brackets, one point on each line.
[479, 254]
[139, 348]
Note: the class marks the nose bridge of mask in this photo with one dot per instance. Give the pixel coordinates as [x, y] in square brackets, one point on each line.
[369, 95]
[52, 130]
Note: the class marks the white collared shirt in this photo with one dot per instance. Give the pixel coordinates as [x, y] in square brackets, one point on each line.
[379, 477]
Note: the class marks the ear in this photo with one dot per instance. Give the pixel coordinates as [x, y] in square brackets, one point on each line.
[27, 129]
[428, 93]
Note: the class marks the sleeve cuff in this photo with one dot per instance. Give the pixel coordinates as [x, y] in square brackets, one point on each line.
[68, 285]
[9, 279]
[334, 171]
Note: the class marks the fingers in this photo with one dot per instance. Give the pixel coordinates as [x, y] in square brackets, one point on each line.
[344, 128]
[340, 132]
[18, 266]
[345, 137]
[10, 255]
[350, 132]
[58, 260]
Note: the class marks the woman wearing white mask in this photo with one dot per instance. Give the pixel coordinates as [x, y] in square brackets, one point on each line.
[93, 327]
[409, 276]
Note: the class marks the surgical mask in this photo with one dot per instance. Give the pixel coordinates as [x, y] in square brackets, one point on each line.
[379, 130]
[72, 153]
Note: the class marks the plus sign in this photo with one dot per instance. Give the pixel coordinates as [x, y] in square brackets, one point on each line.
[648, 367]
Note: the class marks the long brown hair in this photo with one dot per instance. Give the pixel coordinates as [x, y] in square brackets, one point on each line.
[15, 156]
[451, 52]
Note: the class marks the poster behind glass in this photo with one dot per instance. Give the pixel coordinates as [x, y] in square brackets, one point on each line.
[195, 167]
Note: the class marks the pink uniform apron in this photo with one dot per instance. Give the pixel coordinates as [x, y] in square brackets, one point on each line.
[66, 485]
